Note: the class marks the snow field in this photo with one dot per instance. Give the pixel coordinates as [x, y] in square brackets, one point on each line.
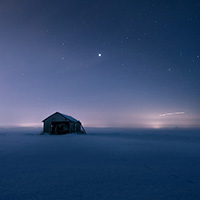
[105, 164]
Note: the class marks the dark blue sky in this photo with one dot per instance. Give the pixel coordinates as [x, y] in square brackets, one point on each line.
[148, 74]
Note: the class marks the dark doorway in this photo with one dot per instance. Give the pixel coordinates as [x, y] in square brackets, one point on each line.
[59, 128]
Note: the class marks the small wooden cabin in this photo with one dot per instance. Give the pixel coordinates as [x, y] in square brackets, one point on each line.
[59, 123]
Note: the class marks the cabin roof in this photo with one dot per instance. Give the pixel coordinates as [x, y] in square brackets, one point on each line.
[65, 116]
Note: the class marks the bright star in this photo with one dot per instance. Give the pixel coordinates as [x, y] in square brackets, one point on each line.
[99, 54]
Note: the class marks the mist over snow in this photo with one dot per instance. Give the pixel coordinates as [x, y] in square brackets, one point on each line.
[106, 163]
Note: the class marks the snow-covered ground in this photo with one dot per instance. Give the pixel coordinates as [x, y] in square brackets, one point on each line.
[106, 164]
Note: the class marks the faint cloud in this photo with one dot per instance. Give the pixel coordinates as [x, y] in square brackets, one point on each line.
[172, 113]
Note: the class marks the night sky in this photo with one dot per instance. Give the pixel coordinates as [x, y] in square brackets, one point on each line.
[124, 63]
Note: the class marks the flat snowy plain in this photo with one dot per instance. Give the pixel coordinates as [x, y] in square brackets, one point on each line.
[105, 164]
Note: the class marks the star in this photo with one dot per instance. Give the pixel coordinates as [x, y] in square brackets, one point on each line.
[99, 54]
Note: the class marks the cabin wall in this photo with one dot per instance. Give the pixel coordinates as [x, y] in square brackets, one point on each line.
[73, 126]
[54, 118]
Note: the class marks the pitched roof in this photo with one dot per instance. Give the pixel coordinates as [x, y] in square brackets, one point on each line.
[65, 116]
